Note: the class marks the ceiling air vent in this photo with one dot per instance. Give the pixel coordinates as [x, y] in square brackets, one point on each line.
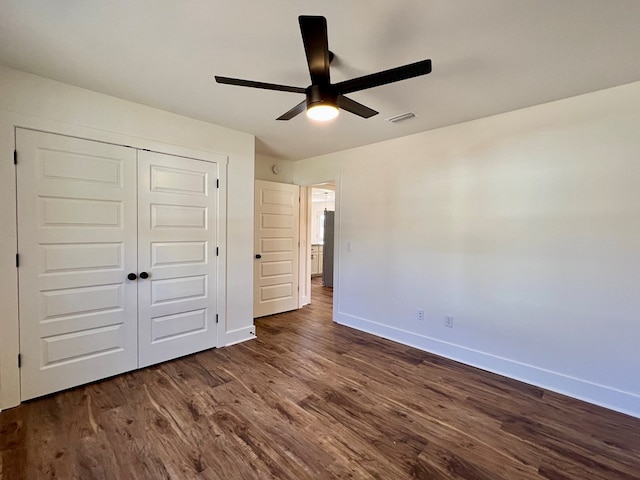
[402, 117]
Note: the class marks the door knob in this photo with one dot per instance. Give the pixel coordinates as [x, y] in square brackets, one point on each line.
[132, 276]
[258, 255]
[144, 275]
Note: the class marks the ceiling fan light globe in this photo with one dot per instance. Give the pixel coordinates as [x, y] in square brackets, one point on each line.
[322, 113]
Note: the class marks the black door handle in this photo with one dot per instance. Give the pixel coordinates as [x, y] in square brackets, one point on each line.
[132, 276]
[258, 255]
[144, 275]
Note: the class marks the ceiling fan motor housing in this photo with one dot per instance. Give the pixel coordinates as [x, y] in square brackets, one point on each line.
[321, 95]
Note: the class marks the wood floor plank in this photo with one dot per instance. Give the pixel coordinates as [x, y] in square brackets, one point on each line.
[310, 399]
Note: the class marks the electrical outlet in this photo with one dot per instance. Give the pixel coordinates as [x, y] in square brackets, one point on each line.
[420, 315]
[448, 321]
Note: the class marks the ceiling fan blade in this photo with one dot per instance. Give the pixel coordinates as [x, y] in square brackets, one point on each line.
[355, 107]
[316, 47]
[382, 78]
[266, 86]
[294, 111]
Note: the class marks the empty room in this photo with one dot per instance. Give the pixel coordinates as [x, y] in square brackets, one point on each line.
[320, 240]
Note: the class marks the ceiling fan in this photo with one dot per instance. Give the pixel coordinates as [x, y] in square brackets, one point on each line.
[323, 98]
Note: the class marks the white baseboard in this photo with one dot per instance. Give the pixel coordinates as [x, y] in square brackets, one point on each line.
[240, 335]
[620, 401]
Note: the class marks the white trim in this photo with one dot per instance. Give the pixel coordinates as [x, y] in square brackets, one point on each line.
[337, 247]
[304, 249]
[222, 277]
[10, 346]
[601, 395]
[240, 335]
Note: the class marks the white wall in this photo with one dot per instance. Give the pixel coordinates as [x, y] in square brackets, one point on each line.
[523, 226]
[34, 102]
[264, 169]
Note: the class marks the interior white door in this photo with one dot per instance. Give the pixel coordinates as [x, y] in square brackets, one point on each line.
[276, 232]
[77, 243]
[177, 243]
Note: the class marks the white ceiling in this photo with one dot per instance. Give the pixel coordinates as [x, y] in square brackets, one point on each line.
[488, 57]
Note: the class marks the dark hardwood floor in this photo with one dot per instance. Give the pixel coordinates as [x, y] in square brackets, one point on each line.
[313, 400]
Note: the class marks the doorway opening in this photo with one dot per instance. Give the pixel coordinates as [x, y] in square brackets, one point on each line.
[321, 230]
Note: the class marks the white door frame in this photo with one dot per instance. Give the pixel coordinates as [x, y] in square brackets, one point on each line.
[304, 264]
[306, 226]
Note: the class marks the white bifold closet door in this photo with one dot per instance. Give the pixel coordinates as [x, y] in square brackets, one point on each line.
[89, 215]
[177, 247]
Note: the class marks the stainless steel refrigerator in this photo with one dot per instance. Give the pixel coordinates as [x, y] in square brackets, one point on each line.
[327, 263]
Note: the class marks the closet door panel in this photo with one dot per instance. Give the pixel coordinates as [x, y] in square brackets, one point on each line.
[177, 238]
[77, 222]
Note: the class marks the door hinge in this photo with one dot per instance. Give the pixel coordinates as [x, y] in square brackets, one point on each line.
[217, 251]
[217, 183]
[19, 360]
[217, 318]
[17, 260]
[15, 157]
